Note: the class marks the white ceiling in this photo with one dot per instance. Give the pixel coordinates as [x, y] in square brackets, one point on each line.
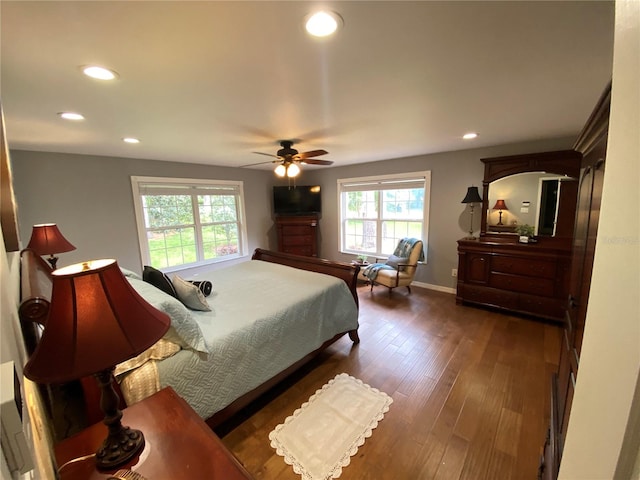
[212, 82]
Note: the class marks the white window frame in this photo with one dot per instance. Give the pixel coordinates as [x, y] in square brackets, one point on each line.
[138, 183]
[382, 181]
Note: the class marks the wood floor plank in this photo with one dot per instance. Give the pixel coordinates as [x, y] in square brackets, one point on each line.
[470, 389]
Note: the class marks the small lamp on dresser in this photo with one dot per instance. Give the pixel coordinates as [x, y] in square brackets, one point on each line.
[46, 239]
[472, 197]
[500, 206]
[96, 321]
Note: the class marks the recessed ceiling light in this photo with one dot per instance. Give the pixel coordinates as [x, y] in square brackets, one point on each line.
[470, 136]
[130, 140]
[322, 24]
[100, 73]
[71, 116]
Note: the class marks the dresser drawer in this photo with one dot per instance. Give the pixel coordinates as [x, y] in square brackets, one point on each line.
[517, 283]
[523, 266]
[297, 230]
[489, 296]
[306, 251]
[544, 306]
[291, 240]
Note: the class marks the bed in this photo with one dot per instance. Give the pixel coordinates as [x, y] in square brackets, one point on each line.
[269, 316]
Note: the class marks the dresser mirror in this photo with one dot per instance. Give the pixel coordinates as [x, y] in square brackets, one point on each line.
[534, 189]
[531, 198]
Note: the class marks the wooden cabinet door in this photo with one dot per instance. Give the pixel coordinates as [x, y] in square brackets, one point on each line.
[477, 268]
[586, 230]
[593, 145]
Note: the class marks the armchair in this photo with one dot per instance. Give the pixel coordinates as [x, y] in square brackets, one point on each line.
[399, 269]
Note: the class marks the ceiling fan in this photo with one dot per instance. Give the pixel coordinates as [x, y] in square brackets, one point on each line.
[288, 158]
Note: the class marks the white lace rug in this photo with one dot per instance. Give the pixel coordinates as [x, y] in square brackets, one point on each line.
[320, 437]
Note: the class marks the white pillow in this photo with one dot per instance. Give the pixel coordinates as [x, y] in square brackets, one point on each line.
[190, 294]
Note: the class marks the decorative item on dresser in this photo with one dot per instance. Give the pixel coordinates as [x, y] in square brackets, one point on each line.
[472, 197]
[298, 234]
[496, 270]
[500, 206]
[592, 145]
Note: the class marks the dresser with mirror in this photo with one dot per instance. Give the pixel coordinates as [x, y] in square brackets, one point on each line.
[499, 269]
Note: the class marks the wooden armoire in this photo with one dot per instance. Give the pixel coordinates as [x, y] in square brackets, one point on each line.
[592, 144]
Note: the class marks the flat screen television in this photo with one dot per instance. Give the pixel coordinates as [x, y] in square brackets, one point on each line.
[298, 200]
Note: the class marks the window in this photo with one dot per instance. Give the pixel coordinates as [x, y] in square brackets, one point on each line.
[188, 222]
[376, 212]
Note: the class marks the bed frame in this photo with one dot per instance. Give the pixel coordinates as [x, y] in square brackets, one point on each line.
[35, 295]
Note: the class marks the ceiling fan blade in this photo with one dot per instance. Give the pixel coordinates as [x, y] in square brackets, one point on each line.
[315, 161]
[312, 153]
[266, 154]
[259, 163]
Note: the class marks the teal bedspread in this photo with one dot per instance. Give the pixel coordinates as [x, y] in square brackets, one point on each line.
[264, 317]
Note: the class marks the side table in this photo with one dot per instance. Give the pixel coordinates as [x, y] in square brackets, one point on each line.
[361, 276]
[178, 445]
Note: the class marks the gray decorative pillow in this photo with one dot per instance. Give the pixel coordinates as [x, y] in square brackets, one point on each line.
[393, 261]
[190, 295]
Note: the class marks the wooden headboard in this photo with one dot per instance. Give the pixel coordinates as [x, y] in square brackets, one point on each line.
[35, 296]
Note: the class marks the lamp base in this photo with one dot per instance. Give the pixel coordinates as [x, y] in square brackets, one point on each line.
[119, 448]
[122, 443]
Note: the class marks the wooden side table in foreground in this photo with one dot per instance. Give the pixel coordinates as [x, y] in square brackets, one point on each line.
[179, 445]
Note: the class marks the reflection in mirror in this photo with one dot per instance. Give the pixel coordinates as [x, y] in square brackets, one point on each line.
[530, 198]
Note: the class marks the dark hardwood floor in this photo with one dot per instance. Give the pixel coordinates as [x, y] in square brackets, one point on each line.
[470, 392]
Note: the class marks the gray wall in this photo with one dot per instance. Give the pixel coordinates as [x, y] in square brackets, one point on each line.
[451, 174]
[90, 199]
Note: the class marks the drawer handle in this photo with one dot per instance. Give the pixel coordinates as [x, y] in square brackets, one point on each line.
[572, 302]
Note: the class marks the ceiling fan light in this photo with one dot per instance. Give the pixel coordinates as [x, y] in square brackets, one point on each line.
[280, 170]
[293, 170]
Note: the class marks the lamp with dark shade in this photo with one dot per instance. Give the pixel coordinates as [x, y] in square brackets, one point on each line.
[97, 320]
[472, 197]
[46, 239]
[500, 205]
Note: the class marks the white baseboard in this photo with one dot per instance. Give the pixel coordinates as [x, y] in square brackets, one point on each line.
[437, 288]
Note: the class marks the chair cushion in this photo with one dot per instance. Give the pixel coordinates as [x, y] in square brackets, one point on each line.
[393, 261]
[388, 278]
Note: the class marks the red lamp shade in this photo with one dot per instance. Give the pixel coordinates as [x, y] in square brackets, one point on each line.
[46, 239]
[96, 321]
[500, 205]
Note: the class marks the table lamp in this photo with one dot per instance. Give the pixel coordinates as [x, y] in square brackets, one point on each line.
[46, 239]
[472, 197]
[97, 320]
[500, 205]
